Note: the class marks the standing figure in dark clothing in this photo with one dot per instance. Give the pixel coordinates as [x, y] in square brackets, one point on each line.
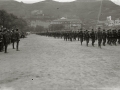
[78, 35]
[5, 39]
[17, 39]
[70, 36]
[99, 36]
[81, 36]
[104, 36]
[118, 36]
[115, 37]
[1, 41]
[87, 37]
[108, 36]
[92, 35]
[84, 35]
[13, 38]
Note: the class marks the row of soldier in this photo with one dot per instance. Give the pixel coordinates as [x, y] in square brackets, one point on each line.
[111, 37]
[7, 37]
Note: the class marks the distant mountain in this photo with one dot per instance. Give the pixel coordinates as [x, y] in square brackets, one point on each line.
[86, 10]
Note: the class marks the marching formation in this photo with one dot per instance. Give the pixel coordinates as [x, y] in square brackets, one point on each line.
[110, 37]
[7, 37]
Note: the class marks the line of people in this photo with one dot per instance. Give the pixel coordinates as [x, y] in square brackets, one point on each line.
[7, 37]
[111, 37]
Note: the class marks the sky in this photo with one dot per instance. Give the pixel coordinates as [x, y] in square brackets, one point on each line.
[34, 1]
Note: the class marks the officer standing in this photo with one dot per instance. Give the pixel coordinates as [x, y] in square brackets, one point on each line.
[92, 35]
[17, 39]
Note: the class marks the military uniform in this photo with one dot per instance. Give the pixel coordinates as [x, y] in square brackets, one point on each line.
[92, 35]
[13, 38]
[114, 37]
[80, 35]
[109, 37]
[104, 36]
[99, 36]
[87, 37]
[1, 41]
[6, 40]
[17, 39]
[118, 36]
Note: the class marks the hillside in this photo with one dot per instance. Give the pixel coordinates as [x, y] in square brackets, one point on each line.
[83, 9]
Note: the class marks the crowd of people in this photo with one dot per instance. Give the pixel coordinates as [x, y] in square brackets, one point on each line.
[7, 37]
[110, 37]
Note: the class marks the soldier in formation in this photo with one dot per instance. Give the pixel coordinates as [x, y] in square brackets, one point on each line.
[103, 37]
[7, 37]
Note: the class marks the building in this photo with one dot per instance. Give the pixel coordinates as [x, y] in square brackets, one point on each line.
[69, 24]
[110, 22]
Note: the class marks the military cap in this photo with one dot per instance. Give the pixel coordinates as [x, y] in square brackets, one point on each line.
[103, 29]
[99, 28]
[16, 29]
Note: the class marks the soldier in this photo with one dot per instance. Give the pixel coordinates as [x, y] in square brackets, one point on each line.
[95, 35]
[99, 36]
[80, 35]
[13, 38]
[118, 36]
[74, 35]
[17, 39]
[5, 39]
[104, 36]
[108, 37]
[112, 37]
[87, 37]
[64, 36]
[84, 35]
[67, 36]
[1, 41]
[92, 35]
[115, 37]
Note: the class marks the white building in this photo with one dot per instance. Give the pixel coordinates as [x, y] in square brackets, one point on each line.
[69, 24]
[110, 22]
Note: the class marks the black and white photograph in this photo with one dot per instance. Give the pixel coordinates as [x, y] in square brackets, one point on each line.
[59, 44]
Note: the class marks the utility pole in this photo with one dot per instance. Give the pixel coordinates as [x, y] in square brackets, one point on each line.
[99, 14]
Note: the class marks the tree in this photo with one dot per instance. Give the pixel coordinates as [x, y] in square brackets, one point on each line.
[11, 21]
[3, 17]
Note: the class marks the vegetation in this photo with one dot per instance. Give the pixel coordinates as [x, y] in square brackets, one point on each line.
[86, 10]
[11, 21]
